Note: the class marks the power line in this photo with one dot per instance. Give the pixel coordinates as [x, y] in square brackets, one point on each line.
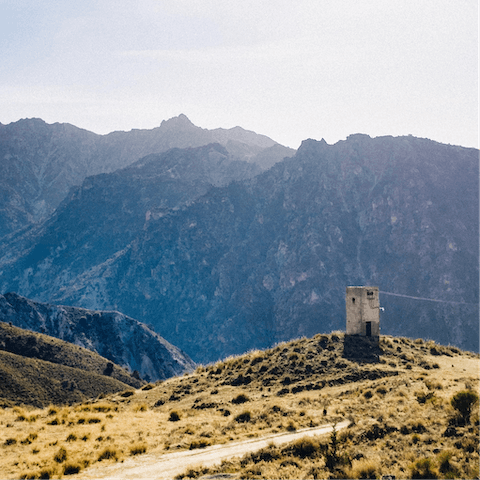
[427, 299]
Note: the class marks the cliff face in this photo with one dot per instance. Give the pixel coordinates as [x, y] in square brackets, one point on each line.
[103, 215]
[118, 338]
[39, 163]
[267, 259]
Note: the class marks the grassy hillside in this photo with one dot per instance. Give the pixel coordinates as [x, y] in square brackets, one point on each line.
[37, 370]
[401, 418]
[39, 383]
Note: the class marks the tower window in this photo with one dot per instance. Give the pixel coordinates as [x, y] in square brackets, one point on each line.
[353, 300]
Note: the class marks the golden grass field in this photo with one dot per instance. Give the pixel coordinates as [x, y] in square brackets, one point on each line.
[401, 419]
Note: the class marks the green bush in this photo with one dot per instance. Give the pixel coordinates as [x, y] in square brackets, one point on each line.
[463, 402]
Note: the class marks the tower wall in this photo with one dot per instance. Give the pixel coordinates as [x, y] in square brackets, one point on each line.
[363, 311]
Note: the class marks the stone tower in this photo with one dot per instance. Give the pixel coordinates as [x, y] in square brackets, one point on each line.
[363, 311]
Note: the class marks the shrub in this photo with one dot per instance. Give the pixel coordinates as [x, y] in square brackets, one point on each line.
[127, 393]
[60, 456]
[71, 468]
[363, 469]
[449, 470]
[198, 444]
[303, 448]
[31, 437]
[174, 416]
[244, 417]
[291, 427]
[267, 454]
[423, 468]
[424, 397]
[138, 449]
[10, 441]
[242, 398]
[45, 473]
[463, 402]
[102, 407]
[107, 454]
[71, 438]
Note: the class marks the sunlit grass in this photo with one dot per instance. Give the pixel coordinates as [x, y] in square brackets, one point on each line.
[398, 415]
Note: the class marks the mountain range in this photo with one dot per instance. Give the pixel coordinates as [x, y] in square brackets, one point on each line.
[220, 255]
[39, 163]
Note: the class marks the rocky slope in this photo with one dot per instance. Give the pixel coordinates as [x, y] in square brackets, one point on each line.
[39, 162]
[267, 259]
[29, 344]
[104, 214]
[118, 338]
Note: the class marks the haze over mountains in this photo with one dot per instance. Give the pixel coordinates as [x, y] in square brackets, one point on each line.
[220, 257]
[39, 162]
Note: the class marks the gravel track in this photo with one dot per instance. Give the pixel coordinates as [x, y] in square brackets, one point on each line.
[167, 466]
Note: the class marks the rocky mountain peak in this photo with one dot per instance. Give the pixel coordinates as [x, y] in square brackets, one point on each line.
[39, 162]
[181, 121]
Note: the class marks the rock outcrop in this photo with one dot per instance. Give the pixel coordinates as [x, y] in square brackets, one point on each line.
[121, 339]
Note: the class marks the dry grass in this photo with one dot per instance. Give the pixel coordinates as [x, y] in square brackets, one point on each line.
[399, 408]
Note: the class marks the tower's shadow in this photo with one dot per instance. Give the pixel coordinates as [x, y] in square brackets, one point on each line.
[359, 348]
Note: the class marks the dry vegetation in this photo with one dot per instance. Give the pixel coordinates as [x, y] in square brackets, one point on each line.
[402, 420]
[36, 369]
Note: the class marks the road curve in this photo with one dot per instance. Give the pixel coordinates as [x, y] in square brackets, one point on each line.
[167, 466]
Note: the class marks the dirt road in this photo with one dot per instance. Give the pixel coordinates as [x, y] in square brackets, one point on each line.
[167, 466]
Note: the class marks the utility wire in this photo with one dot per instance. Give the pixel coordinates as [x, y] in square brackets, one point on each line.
[427, 299]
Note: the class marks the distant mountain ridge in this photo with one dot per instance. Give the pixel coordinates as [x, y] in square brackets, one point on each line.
[39, 162]
[267, 259]
[121, 339]
[103, 215]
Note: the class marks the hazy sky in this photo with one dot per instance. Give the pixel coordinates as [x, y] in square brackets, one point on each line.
[288, 69]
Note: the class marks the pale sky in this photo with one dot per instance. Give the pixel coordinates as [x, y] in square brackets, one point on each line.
[287, 69]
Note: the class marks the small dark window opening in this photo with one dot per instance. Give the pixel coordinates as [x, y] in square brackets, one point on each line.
[353, 300]
[370, 294]
[369, 329]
